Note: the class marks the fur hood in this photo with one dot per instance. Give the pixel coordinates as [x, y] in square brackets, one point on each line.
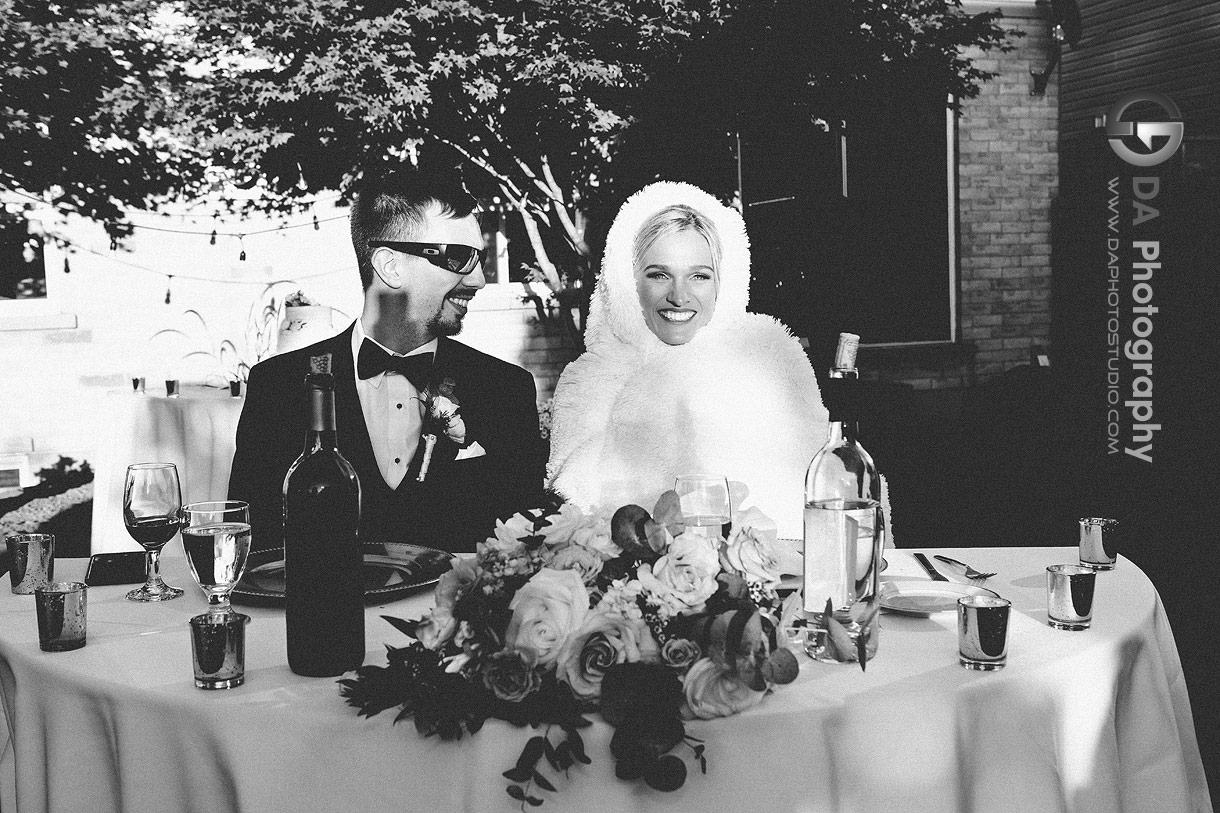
[739, 399]
[615, 315]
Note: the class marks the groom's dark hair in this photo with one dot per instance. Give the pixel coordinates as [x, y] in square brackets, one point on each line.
[391, 205]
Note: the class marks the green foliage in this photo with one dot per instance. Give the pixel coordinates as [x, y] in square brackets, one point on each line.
[87, 90]
[559, 107]
[788, 64]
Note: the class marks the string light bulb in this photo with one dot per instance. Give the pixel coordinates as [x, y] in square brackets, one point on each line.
[316, 227]
[241, 239]
[67, 268]
[168, 279]
[212, 241]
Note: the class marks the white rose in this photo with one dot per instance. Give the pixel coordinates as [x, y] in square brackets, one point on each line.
[436, 630]
[582, 560]
[685, 577]
[597, 539]
[605, 639]
[508, 533]
[754, 550]
[712, 691]
[563, 524]
[443, 406]
[546, 610]
[455, 429]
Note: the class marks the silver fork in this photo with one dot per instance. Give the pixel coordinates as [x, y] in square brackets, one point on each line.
[971, 573]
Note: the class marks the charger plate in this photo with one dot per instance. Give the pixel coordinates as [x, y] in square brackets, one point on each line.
[923, 597]
[391, 571]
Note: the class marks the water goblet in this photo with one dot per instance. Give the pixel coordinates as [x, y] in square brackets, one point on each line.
[216, 538]
[707, 510]
[152, 498]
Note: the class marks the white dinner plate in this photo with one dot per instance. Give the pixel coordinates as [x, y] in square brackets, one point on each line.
[924, 597]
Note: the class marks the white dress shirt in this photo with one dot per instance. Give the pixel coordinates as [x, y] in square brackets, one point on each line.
[393, 411]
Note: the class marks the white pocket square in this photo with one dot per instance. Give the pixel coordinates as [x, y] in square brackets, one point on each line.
[473, 450]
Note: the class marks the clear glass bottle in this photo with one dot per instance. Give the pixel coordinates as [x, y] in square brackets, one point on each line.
[844, 526]
[324, 597]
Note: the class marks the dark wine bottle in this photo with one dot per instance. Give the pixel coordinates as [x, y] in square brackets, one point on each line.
[324, 608]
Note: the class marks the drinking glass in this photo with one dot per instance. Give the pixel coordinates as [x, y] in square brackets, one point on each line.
[152, 499]
[216, 538]
[707, 510]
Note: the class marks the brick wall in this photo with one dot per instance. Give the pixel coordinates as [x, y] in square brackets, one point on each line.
[504, 326]
[1007, 178]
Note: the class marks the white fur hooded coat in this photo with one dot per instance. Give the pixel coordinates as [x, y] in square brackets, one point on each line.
[740, 399]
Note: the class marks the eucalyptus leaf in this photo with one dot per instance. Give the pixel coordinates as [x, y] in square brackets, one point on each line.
[668, 512]
[532, 752]
[839, 641]
[402, 625]
[517, 774]
[666, 774]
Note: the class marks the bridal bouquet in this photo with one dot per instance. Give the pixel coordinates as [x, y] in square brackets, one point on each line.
[564, 612]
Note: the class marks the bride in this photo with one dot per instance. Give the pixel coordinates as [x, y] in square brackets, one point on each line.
[678, 378]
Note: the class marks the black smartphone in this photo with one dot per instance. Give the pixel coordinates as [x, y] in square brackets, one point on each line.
[126, 567]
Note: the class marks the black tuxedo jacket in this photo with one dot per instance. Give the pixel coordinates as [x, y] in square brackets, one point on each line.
[457, 504]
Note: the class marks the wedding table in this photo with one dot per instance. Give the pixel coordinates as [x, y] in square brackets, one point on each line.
[1078, 721]
[196, 431]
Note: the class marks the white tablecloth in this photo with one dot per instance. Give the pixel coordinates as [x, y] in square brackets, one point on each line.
[1078, 721]
[196, 431]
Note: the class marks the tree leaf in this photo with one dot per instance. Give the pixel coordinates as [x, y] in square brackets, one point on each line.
[517, 792]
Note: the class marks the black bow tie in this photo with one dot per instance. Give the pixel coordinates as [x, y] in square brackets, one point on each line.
[373, 360]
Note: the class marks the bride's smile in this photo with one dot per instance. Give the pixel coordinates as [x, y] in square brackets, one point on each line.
[677, 285]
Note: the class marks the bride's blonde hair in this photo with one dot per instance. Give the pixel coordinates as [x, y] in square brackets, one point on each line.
[672, 220]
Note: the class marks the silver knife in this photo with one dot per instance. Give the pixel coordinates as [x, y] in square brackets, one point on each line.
[933, 572]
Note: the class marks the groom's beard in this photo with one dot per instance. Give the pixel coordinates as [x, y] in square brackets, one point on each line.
[440, 325]
[446, 321]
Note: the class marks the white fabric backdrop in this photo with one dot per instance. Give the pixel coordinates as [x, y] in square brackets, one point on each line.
[197, 432]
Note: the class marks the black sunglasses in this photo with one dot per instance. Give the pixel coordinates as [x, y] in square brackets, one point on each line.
[453, 257]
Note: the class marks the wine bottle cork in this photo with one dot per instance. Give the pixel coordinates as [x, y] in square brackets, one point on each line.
[845, 355]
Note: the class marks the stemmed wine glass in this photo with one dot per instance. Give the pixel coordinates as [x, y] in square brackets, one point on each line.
[216, 538]
[707, 509]
[152, 498]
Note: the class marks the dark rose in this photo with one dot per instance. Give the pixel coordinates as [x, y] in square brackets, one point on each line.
[640, 690]
[680, 653]
[510, 676]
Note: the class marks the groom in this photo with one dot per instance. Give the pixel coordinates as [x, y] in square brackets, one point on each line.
[420, 253]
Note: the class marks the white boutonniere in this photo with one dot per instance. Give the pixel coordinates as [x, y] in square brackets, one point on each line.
[441, 416]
